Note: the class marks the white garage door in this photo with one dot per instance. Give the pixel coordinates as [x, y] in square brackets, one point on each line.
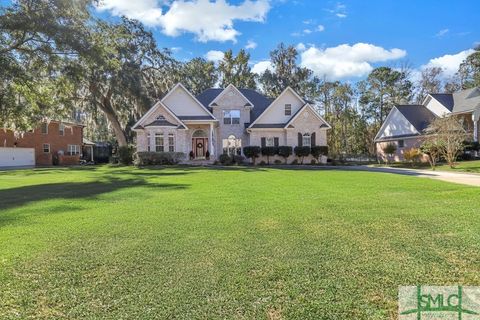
[17, 157]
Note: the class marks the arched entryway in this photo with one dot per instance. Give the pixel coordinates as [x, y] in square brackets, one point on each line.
[199, 144]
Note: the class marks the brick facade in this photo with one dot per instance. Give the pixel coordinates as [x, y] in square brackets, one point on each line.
[73, 135]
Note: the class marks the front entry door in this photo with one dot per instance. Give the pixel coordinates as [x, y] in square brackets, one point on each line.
[199, 147]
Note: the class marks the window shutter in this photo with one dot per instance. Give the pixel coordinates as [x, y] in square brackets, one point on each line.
[275, 141]
[263, 142]
[313, 139]
[300, 140]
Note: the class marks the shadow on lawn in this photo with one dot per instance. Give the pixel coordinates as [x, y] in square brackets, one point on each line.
[17, 197]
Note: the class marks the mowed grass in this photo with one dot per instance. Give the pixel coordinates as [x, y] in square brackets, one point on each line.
[242, 243]
[463, 166]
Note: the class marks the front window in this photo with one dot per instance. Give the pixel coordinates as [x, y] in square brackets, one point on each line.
[148, 142]
[401, 143]
[232, 145]
[73, 149]
[44, 128]
[269, 142]
[171, 142]
[46, 148]
[231, 116]
[61, 129]
[307, 140]
[288, 109]
[159, 142]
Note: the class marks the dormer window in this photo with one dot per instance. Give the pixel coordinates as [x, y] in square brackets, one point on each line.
[288, 109]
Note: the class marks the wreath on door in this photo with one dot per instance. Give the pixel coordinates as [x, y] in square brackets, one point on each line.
[199, 145]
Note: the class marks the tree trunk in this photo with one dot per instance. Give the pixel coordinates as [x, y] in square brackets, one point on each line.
[107, 108]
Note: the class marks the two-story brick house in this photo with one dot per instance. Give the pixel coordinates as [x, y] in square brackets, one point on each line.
[53, 142]
[226, 120]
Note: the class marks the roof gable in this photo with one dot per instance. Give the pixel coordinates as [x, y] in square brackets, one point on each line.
[232, 91]
[445, 99]
[158, 115]
[181, 102]
[306, 110]
[466, 100]
[275, 112]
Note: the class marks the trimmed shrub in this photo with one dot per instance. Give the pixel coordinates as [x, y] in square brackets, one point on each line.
[313, 161]
[295, 161]
[389, 149]
[262, 163]
[302, 152]
[318, 151]
[238, 159]
[125, 155]
[269, 152]
[252, 152]
[157, 158]
[225, 159]
[277, 161]
[285, 152]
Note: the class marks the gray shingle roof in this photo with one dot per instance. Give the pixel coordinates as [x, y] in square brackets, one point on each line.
[418, 115]
[260, 102]
[195, 117]
[161, 123]
[466, 100]
[268, 125]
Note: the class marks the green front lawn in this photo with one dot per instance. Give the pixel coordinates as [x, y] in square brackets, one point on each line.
[463, 166]
[244, 243]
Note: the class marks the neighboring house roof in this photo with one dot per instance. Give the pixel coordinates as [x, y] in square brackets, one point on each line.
[418, 115]
[466, 100]
[259, 101]
[460, 101]
[446, 99]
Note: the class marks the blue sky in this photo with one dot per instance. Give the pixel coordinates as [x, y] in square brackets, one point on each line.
[342, 40]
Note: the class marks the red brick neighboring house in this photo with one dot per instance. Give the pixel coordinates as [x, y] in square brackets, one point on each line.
[54, 142]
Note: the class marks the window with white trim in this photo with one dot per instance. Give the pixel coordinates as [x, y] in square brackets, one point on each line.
[232, 145]
[288, 109]
[61, 129]
[44, 128]
[159, 142]
[307, 140]
[171, 142]
[73, 149]
[46, 148]
[269, 142]
[401, 143]
[231, 116]
[148, 142]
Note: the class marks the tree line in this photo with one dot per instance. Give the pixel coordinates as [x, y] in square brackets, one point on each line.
[61, 61]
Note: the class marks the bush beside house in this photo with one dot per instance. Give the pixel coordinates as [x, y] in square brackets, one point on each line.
[146, 158]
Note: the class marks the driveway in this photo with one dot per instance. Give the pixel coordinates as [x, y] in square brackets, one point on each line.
[461, 178]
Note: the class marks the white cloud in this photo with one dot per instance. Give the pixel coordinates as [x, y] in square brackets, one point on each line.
[214, 55]
[207, 20]
[261, 66]
[307, 31]
[441, 33]
[346, 61]
[320, 28]
[449, 62]
[251, 44]
[339, 10]
[300, 47]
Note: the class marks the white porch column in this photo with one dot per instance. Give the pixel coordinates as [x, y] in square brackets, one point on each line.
[475, 118]
[212, 149]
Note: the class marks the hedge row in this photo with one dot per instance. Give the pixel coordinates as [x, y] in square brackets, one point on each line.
[157, 158]
[253, 152]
